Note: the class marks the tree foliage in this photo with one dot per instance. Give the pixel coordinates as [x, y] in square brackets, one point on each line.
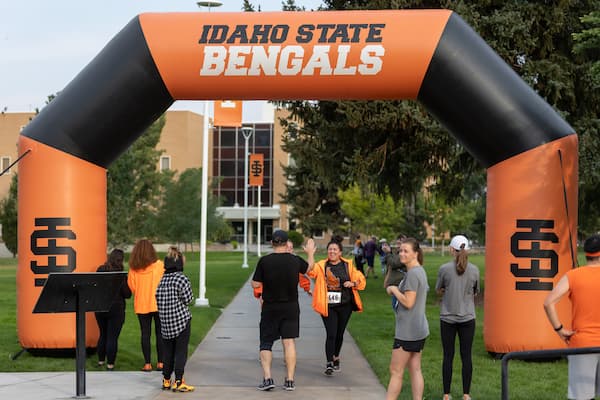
[135, 189]
[395, 146]
[8, 217]
[378, 215]
[180, 215]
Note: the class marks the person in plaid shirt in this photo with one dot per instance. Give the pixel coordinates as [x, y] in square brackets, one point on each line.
[173, 295]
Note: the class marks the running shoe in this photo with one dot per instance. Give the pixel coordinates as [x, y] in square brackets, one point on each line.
[266, 384]
[329, 369]
[289, 385]
[181, 386]
[336, 365]
[166, 384]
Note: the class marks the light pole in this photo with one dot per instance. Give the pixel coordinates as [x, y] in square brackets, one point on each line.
[202, 301]
[247, 132]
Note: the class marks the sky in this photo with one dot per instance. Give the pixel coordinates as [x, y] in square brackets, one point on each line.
[45, 43]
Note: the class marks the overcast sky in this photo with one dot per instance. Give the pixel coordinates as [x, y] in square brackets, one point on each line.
[45, 43]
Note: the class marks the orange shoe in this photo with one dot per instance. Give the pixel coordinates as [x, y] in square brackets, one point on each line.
[159, 366]
[147, 368]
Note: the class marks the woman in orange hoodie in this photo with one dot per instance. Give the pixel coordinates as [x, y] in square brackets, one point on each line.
[145, 272]
[335, 296]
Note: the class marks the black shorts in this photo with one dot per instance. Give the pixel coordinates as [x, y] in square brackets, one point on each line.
[279, 320]
[411, 346]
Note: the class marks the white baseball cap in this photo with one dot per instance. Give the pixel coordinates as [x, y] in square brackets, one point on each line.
[458, 242]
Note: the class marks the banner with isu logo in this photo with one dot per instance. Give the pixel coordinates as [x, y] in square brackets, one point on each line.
[303, 55]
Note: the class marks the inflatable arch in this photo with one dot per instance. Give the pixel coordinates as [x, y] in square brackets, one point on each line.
[432, 56]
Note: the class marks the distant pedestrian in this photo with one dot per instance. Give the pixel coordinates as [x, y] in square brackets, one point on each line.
[278, 275]
[173, 295]
[395, 269]
[382, 242]
[458, 284]
[370, 251]
[359, 255]
[111, 322]
[335, 297]
[411, 323]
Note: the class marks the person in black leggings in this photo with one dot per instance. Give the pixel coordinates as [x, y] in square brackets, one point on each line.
[111, 322]
[457, 283]
[335, 296]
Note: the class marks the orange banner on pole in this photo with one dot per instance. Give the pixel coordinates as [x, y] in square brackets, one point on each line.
[228, 113]
[257, 169]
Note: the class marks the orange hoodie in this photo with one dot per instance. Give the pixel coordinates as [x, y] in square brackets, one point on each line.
[319, 302]
[143, 283]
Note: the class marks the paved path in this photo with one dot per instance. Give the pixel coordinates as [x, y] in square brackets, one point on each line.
[224, 366]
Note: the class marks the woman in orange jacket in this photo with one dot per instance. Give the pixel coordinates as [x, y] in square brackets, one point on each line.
[145, 272]
[335, 297]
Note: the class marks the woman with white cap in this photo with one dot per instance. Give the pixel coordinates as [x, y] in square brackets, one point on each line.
[457, 283]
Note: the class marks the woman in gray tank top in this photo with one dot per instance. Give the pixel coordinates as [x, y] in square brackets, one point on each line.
[457, 283]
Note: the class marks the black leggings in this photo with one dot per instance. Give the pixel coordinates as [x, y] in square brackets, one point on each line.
[176, 354]
[466, 332]
[335, 325]
[146, 328]
[110, 324]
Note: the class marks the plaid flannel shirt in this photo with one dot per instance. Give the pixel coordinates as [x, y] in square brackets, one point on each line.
[173, 295]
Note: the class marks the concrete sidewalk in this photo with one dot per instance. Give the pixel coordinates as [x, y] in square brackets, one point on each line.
[224, 366]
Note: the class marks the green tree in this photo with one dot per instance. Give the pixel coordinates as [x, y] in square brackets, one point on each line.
[290, 5]
[372, 214]
[135, 189]
[180, 215]
[587, 51]
[8, 217]
[396, 145]
[247, 6]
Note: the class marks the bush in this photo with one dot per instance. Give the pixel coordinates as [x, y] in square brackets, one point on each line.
[234, 244]
[296, 237]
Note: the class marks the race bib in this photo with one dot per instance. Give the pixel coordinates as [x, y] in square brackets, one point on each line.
[334, 297]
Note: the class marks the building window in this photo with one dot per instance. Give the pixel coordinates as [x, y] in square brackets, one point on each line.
[318, 234]
[229, 156]
[5, 163]
[165, 163]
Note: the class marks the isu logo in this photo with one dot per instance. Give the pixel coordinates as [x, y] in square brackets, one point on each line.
[49, 237]
[258, 50]
[534, 253]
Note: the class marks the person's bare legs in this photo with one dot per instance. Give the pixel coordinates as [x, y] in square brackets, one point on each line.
[289, 352]
[266, 357]
[397, 364]
[417, 383]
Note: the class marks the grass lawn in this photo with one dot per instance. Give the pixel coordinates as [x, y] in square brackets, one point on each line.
[373, 330]
[224, 277]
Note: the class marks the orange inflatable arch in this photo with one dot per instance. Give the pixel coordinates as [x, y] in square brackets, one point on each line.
[432, 56]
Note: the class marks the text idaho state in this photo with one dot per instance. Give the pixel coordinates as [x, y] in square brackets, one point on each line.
[260, 50]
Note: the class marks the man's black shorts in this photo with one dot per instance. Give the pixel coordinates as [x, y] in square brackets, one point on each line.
[279, 320]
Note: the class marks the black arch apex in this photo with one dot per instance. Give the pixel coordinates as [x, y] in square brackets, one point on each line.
[482, 101]
[108, 105]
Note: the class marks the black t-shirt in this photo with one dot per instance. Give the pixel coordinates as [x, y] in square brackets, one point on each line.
[278, 273]
[335, 276]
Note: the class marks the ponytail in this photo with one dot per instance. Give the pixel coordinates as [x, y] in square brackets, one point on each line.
[461, 259]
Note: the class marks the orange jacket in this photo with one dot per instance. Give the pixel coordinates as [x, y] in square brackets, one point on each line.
[303, 281]
[319, 302]
[143, 283]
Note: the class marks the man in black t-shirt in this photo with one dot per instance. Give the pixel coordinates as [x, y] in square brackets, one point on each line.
[277, 273]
